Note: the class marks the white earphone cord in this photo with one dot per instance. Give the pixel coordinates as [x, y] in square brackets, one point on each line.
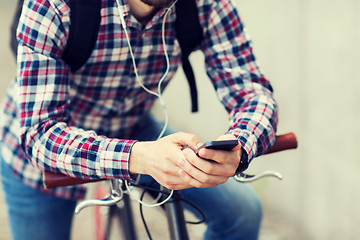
[157, 94]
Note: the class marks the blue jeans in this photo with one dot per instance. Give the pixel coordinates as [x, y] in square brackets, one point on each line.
[33, 214]
[232, 210]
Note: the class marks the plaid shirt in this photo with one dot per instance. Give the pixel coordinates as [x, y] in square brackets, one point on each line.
[80, 123]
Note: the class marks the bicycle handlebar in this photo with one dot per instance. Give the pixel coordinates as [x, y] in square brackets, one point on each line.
[51, 179]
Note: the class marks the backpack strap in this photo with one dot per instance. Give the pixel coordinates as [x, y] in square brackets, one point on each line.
[189, 34]
[85, 23]
[14, 24]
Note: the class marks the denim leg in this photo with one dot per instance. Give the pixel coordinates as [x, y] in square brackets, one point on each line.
[152, 129]
[232, 210]
[33, 214]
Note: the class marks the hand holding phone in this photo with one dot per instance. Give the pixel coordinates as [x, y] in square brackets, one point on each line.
[212, 167]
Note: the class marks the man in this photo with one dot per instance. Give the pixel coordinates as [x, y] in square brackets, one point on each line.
[95, 122]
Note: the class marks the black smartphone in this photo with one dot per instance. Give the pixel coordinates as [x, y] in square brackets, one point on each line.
[225, 145]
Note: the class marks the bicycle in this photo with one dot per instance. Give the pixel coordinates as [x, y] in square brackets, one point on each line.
[172, 204]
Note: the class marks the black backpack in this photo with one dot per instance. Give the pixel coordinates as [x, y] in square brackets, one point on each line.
[85, 23]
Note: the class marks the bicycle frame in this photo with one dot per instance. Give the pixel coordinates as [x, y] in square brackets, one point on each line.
[176, 219]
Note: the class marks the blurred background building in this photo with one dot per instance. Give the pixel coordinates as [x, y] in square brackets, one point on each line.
[310, 50]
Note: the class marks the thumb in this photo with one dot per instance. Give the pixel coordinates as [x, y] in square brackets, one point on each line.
[230, 137]
[186, 140]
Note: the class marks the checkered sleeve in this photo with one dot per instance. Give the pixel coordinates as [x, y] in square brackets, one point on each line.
[47, 136]
[241, 87]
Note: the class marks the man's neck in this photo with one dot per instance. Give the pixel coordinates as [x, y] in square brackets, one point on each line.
[141, 11]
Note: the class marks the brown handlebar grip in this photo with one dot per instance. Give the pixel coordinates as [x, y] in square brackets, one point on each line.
[51, 179]
[284, 142]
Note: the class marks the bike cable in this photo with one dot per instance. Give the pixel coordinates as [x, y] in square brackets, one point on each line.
[152, 191]
[143, 217]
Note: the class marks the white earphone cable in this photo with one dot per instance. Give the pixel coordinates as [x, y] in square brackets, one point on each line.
[157, 94]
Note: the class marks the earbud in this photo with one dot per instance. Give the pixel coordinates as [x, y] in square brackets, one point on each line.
[121, 15]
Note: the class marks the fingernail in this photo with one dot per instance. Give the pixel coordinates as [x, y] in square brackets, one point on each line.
[203, 153]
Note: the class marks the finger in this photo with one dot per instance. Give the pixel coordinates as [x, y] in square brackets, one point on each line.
[195, 172]
[219, 156]
[204, 171]
[211, 167]
[181, 186]
[198, 184]
[227, 162]
[171, 181]
[193, 162]
[186, 139]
